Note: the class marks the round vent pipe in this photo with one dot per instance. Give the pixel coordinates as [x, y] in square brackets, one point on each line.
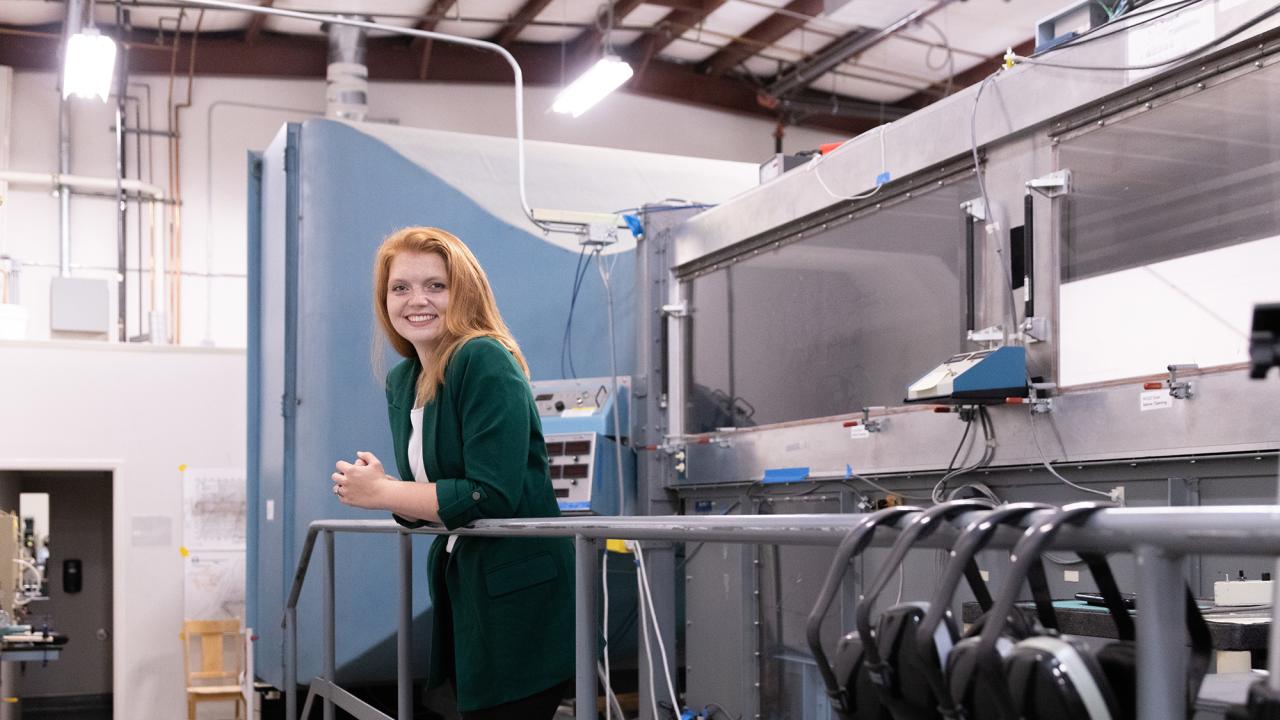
[347, 92]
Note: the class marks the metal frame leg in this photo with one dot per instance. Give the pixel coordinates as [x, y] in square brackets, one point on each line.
[330, 631]
[587, 575]
[1162, 635]
[291, 663]
[404, 640]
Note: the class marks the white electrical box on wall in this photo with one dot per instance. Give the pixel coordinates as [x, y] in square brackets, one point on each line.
[83, 308]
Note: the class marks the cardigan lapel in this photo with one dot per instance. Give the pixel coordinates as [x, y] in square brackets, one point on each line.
[401, 427]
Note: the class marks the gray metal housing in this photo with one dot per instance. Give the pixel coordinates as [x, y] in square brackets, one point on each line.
[745, 605]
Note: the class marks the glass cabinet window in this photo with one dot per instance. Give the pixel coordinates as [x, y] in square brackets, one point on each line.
[844, 318]
[1172, 233]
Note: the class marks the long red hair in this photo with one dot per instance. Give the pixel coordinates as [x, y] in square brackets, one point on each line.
[472, 312]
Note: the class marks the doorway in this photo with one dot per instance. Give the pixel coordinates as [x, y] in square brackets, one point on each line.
[65, 524]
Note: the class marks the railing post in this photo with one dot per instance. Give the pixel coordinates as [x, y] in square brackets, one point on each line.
[291, 663]
[330, 670]
[587, 577]
[1162, 635]
[404, 640]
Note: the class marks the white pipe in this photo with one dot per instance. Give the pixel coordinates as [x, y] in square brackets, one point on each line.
[6, 124]
[80, 182]
[428, 35]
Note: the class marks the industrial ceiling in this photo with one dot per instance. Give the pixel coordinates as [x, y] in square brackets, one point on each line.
[839, 64]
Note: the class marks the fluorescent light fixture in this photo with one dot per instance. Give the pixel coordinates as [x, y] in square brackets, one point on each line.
[592, 86]
[88, 65]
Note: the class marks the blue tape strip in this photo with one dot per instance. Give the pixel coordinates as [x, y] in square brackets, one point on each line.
[785, 475]
[634, 224]
[575, 506]
[883, 178]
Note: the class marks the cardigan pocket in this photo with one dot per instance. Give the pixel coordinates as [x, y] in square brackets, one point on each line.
[520, 574]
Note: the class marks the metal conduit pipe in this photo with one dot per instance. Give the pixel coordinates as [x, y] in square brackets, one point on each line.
[122, 205]
[64, 192]
[71, 26]
[810, 69]
[68, 182]
[347, 92]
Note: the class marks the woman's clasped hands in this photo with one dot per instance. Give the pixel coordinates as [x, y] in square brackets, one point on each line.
[358, 484]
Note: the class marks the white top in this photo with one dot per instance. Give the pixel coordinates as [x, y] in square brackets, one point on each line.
[415, 446]
[415, 460]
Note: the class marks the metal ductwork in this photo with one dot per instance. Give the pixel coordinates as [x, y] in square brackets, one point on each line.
[347, 93]
[844, 48]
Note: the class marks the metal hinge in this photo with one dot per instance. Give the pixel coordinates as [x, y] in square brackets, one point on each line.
[1052, 185]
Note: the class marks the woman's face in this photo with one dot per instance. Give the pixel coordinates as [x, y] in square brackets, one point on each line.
[418, 297]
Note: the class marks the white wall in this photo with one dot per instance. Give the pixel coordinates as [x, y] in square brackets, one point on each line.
[140, 412]
[213, 214]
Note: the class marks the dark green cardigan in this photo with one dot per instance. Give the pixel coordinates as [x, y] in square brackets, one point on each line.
[511, 599]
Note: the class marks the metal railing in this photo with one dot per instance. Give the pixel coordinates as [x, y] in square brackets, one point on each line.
[1158, 537]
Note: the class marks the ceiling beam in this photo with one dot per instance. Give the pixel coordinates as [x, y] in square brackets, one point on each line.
[525, 15]
[583, 48]
[767, 31]
[256, 23]
[975, 74]
[423, 46]
[390, 59]
[672, 26]
[847, 46]
[674, 4]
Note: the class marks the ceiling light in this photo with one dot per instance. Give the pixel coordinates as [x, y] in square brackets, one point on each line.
[88, 65]
[607, 75]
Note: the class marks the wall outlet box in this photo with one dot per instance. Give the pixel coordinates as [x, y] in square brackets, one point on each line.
[779, 164]
[1242, 592]
[83, 307]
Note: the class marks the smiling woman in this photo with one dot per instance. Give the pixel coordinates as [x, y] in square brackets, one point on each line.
[417, 298]
[469, 442]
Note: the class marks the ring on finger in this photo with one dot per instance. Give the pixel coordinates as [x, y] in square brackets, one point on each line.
[337, 490]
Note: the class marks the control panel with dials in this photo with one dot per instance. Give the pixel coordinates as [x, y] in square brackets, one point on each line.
[577, 424]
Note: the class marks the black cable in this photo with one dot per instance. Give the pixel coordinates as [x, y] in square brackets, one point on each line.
[577, 289]
[941, 487]
[698, 546]
[991, 425]
[710, 710]
[573, 296]
[988, 454]
[566, 345]
[968, 425]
